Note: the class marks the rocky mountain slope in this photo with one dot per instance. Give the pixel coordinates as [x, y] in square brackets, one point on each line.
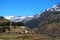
[48, 22]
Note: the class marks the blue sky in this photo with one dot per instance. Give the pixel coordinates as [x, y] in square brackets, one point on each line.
[24, 7]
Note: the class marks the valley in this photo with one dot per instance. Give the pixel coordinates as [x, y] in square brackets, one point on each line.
[42, 26]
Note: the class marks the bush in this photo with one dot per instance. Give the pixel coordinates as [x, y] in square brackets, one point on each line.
[1, 17]
[17, 24]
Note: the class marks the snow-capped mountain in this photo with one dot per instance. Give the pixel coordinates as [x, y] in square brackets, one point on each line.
[27, 18]
[44, 16]
[18, 18]
[54, 8]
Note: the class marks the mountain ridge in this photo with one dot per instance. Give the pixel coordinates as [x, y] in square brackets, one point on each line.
[47, 22]
[18, 18]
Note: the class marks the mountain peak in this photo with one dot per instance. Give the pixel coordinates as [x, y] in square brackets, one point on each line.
[54, 8]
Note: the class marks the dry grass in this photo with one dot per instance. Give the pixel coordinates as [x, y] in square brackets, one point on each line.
[19, 36]
[22, 36]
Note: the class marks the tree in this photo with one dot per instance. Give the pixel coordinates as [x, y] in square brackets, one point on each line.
[1, 17]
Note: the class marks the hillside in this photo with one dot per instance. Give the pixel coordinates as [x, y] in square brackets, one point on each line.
[2, 19]
[8, 25]
[47, 23]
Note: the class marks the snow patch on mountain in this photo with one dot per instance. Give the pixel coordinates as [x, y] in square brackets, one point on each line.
[54, 8]
[18, 18]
